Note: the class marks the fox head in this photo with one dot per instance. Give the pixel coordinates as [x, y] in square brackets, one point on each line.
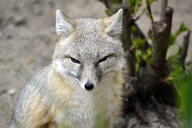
[88, 52]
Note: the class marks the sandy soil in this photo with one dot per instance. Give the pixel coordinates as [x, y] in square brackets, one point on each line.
[27, 39]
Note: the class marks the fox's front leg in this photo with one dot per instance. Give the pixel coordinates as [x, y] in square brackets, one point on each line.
[51, 125]
[31, 110]
[34, 121]
[28, 124]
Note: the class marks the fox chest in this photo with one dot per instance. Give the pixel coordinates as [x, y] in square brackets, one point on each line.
[74, 118]
[84, 111]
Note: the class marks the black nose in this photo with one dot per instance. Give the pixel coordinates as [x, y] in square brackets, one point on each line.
[89, 86]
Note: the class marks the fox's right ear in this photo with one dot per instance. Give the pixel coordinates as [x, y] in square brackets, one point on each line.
[114, 23]
[64, 25]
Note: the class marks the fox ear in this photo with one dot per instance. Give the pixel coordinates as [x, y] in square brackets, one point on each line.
[114, 23]
[64, 25]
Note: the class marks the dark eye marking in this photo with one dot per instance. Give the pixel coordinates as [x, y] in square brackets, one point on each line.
[105, 58]
[75, 60]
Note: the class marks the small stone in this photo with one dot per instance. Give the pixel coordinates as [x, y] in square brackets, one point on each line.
[29, 59]
[37, 10]
[35, 1]
[1, 21]
[1, 35]
[2, 91]
[11, 91]
[8, 36]
[19, 20]
[51, 3]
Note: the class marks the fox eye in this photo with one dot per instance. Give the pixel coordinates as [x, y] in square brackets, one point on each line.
[103, 59]
[75, 60]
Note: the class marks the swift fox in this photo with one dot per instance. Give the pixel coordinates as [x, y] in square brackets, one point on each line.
[82, 86]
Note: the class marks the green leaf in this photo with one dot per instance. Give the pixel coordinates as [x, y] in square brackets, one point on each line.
[138, 54]
[132, 2]
[138, 43]
[150, 1]
[135, 5]
[183, 83]
[117, 1]
[182, 28]
[172, 40]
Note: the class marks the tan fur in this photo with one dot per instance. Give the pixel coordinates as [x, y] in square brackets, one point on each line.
[87, 50]
[63, 90]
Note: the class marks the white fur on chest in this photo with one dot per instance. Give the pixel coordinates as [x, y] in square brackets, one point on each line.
[83, 107]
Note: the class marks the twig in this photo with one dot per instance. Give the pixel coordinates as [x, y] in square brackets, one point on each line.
[186, 41]
[106, 3]
[139, 15]
[164, 4]
[125, 2]
[149, 10]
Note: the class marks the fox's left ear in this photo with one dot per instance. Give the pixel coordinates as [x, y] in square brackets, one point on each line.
[114, 24]
[64, 25]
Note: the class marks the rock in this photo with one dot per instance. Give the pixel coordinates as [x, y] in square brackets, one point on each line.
[8, 36]
[2, 91]
[11, 91]
[51, 3]
[36, 7]
[19, 20]
[35, 1]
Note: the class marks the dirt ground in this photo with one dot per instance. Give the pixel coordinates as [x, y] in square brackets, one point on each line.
[27, 39]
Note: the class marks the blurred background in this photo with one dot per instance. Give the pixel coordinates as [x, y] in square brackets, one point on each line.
[27, 38]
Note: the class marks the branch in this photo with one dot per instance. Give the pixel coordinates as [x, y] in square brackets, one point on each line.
[185, 48]
[126, 40]
[164, 4]
[149, 10]
[107, 3]
[161, 31]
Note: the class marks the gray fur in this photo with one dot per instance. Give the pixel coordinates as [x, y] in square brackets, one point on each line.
[36, 85]
[63, 25]
[88, 44]
[88, 41]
